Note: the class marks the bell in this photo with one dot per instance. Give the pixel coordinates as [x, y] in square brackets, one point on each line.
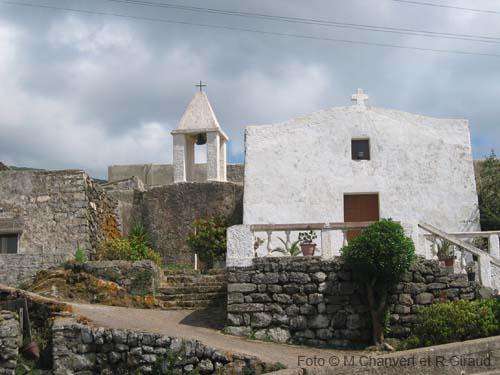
[201, 139]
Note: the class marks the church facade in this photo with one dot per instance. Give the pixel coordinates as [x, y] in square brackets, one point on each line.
[327, 166]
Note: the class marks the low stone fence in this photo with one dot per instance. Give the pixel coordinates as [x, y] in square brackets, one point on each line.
[138, 278]
[18, 268]
[82, 349]
[10, 340]
[315, 302]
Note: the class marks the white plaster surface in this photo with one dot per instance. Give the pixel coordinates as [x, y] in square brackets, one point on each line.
[213, 156]
[179, 158]
[240, 246]
[421, 167]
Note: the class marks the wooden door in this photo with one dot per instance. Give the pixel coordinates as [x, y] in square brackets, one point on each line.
[360, 207]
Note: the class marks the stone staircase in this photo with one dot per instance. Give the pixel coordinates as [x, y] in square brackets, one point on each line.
[189, 289]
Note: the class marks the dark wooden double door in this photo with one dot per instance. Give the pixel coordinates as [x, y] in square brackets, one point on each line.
[358, 208]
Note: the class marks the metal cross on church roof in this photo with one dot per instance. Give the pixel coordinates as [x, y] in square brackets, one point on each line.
[360, 97]
[201, 85]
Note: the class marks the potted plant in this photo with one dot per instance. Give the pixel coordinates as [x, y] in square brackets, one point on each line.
[307, 244]
[446, 253]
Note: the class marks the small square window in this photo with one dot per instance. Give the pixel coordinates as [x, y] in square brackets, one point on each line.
[8, 243]
[360, 149]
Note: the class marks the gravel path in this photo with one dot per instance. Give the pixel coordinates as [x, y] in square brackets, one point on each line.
[195, 325]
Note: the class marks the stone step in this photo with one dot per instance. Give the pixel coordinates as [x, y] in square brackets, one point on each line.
[191, 305]
[192, 297]
[190, 289]
[194, 279]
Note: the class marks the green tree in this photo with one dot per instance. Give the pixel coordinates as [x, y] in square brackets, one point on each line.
[207, 238]
[379, 256]
[489, 193]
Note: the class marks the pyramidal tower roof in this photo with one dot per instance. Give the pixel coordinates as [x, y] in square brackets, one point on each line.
[199, 117]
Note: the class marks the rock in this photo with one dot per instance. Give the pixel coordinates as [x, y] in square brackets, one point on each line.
[299, 278]
[308, 310]
[485, 293]
[206, 366]
[298, 323]
[279, 335]
[319, 277]
[405, 299]
[234, 319]
[238, 331]
[233, 298]
[318, 321]
[424, 298]
[354, 321]
[389, 347]
[259, 320]
[315, 298]
[242, 288]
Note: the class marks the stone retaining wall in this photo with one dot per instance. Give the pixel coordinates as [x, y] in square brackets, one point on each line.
[10, 339]
[82, 349]
[138, 278]
[167, 212]
[315, 302]
[17, 268]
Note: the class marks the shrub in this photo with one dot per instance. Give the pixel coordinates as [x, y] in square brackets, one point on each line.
[379, 256]
[207, 238]
[455, 321]
[136, 247]
[489, 193]
[80, 256]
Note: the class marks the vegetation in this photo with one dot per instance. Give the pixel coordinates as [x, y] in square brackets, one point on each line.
[207, 238]
[445, 249]
[307, 237]
[80, 256]
[136, 247]
[489, 193]
[379, 256]
[455, 321]
[292, 250]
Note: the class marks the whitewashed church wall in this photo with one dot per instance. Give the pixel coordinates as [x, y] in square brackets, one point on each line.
[421, 167]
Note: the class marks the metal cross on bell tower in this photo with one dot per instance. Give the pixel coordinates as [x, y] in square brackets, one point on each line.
[201, 85]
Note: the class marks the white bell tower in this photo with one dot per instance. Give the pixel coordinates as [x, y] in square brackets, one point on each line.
[199, 125]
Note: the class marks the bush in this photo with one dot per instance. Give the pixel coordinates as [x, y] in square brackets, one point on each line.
[455, 321]
[489, 193]
[136, 247]
[80, 256]
[379, 256]
[207, 238]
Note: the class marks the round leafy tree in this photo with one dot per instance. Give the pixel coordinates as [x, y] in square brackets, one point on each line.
[489, 193]
[379, 256]
[207, 238]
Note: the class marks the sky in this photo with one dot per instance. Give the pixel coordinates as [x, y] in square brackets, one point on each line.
[80, 90]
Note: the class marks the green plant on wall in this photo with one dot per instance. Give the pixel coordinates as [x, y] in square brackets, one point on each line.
[207, 238]
[136, 247]
[489, 193]
[80, 256]
[292, 250]
[379, 256]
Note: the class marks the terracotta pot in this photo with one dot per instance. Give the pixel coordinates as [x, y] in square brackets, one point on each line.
[308, 249]
[31, 351]
[448, 262]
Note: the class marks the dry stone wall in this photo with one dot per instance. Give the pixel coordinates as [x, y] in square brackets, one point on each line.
[138, 278]
[53, 212]
[315, 302]
[167, 212]
[80, 349]
[10, 338]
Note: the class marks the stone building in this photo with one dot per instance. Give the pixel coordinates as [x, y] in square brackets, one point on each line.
[45, 216]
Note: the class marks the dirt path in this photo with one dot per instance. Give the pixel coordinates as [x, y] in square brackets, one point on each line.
[194, 325]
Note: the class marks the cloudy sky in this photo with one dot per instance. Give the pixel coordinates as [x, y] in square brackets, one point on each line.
[81, 90]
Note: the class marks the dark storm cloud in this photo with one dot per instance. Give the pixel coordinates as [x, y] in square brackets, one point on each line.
[90, 91]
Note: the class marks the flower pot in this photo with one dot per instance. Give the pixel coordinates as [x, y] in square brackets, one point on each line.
[308, 249]
[471, 276]
[448, 261]
[31, 351]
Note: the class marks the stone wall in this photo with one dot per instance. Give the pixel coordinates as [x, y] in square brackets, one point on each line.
[315, 302]
[17, 268]
[52, 212]
[167, 212]
[82, 349]
[163, 174]
[10, 340]
[138, 278]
